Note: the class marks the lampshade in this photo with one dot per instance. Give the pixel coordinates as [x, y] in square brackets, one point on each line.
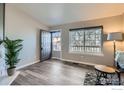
[115, 36]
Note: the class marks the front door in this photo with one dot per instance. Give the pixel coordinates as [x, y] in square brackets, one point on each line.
[45, 45]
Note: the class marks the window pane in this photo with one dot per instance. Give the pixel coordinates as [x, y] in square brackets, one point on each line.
[77, 41]
[56, 41]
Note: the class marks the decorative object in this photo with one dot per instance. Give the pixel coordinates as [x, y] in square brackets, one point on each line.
[13, 48]
[116, 36]
[90, 79]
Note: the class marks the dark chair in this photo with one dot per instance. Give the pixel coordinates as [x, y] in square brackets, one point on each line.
[119, 61]
[119, 69]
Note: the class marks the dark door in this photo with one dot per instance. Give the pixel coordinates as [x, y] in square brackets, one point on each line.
[45, 45]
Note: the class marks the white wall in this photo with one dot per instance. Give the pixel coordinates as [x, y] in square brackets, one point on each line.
[19, 25]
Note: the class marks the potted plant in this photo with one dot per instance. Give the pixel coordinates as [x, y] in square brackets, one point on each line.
[12, 49]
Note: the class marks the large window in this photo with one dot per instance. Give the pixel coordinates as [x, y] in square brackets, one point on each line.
[86, 40]
[56, 41]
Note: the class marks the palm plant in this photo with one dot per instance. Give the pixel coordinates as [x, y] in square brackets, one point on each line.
[13, 47]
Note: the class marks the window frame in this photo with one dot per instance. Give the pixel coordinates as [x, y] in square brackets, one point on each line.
[87, 28]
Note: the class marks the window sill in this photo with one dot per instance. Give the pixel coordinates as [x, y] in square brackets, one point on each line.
[90, 54]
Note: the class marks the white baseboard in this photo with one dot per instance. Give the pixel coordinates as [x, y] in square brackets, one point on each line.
[56, 58]
[74, 61]
[31, 63]
[81, 62]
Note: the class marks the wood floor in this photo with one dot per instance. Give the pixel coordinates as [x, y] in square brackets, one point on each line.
[52, 72]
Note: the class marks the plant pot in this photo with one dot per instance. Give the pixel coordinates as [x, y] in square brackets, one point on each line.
[10, 71]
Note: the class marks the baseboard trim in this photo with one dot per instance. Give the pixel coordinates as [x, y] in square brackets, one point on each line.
[31, 63]
[80, 62]
[56, 58]
[74, 61]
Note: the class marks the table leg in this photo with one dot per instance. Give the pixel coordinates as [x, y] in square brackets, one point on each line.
[119, 78]
[98, 78]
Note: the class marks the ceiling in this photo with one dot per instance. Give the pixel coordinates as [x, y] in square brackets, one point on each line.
[52, 14]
